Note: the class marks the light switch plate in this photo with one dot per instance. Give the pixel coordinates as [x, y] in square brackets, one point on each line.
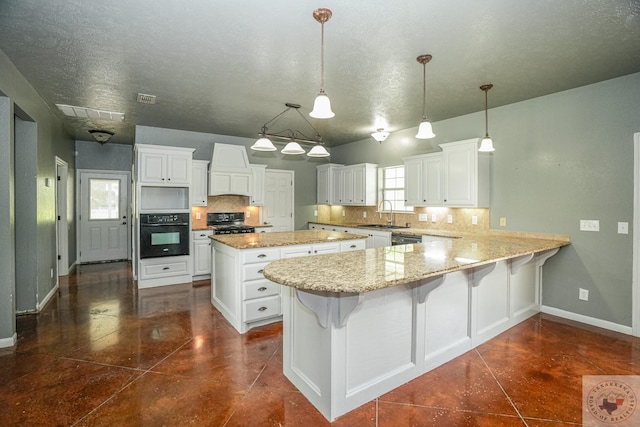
[623, 228]
[450, 219]
[589, 225]
[503, 221]
[364, 214]
[474, 220]
[434, 217]
[198, 215]
[422, 217]
[247, 214]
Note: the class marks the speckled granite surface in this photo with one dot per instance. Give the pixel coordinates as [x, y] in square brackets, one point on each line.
[371, 269]
[282, 238]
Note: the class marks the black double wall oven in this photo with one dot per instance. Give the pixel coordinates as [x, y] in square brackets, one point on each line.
[164, 234]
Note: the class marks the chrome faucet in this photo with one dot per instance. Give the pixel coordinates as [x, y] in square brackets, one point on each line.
[381, 208]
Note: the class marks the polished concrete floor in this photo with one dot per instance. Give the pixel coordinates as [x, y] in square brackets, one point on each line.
[104, 353]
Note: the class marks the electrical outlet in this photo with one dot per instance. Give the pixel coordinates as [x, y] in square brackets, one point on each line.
[344, 213]
[364, 214]
[422, 217]
[198, 215]
[589, 225]
[247, 214]
[52, 272]
[583, 294]
[623, 228]
[434, 217]
[315, 213]
[503, 221]
[450, 219]
[474, 220]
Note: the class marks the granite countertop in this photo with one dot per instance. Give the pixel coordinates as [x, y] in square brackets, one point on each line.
[282, 238]
[371, 269]
[401, 230]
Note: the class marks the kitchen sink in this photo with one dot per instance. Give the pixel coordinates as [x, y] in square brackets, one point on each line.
[381, 226]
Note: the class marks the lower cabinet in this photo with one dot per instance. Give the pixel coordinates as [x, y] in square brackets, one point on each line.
[375, 238]
[164, 271]
[239, 289]
[264, 229]
[201, 254]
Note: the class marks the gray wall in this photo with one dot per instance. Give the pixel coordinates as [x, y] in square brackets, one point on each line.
[559, 158]
[52, 140]
[93, 155]
[303, 166]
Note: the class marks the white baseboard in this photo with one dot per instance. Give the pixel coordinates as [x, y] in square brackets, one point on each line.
[41, 305]
[588, 320]
[9, 342]
[72, 267]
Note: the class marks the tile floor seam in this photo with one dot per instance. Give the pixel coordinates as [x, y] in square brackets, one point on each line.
[150, 369]
[102, 364]
[250, 388]
[513, 405]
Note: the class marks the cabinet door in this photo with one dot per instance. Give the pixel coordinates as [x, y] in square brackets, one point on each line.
[201, 257]
[432, 180]
[380, 241]
[337, 186]
[152, 168]
[413, 182]
[325, 248]
[257, 190]
[178, 169]
[241, 184]
[460, 163]
[359, 185]
[219, 183]
[199, 183]
[295, 251]
[347, 186]
[322, 197]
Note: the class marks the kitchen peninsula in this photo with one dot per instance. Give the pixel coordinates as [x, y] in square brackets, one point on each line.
[239, 289]
[360, 324]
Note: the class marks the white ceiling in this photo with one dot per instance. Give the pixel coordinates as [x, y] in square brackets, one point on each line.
[227, 67]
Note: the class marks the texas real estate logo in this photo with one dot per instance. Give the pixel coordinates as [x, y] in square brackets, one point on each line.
[610, 400]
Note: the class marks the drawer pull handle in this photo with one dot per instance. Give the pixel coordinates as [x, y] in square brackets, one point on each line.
[262, 308]
[203, 235]
[165, 268]
[352, 246]
[260, 271]
[262, 289]
[262, 256]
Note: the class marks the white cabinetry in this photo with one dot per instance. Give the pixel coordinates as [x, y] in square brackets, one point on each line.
[199, 183]
[360, 185]
[201, 254]
[466, 174]
[230, 171]
[164, 271]
[306, 250]
[221, 183]
[375, 238]
[325, 177]
[263, 229]
[257, 188]
[423, 180]
[337, 186]
[165, 166]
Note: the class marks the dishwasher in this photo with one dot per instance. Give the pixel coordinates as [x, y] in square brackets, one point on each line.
[404, 239]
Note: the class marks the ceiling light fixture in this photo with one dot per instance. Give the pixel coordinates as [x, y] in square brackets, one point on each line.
[380, 135]
[425, 130]
[322, 104]
[101, 136]
[293, 137]
[486, 145]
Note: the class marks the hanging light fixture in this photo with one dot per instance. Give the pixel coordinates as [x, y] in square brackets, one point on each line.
[425, 130]
[293, 137]
[486, 145]
[380, 135]
[322, 104]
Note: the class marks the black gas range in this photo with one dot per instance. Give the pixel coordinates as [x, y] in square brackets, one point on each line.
[228, 223]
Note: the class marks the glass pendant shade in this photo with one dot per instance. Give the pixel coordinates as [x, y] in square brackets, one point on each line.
[263, 144]
[318, 151]
[380, 135]
[425, 130]
[292, 148]
[486, 145]
[322, 107]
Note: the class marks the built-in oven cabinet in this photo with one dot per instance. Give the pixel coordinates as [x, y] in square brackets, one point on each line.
[160, 165]
[199, 183]
[201, 254]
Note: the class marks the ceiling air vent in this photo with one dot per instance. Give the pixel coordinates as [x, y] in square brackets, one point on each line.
[90, 113]
[143, 98]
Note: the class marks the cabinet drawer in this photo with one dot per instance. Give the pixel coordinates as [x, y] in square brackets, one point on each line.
[253, 271]
[166, 269]
[201, 235]
[261, 308]
[260, 256]
[353, 246]
[259, 289]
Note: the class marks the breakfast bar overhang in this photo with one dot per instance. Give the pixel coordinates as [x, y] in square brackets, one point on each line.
[359, 324]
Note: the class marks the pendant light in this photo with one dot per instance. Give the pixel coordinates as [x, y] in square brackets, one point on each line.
[292, 148]
[263, 144]
[425, 130]
[486, 145]
[318, 151]
[380, 135]
[322, 104]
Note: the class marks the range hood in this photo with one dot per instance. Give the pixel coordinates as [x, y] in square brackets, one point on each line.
[230, 171]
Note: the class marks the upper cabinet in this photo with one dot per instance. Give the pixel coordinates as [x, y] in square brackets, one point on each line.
[199, 183]
[353, 185]
[164, 166]
[325, 178]
[230, 171]
[257, 190]
[466, 174]
[456, 177]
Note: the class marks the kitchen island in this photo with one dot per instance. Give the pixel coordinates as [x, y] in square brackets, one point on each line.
[239, 289]
[360, 324]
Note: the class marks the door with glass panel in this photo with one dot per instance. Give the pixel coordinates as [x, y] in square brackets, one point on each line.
[103, 216]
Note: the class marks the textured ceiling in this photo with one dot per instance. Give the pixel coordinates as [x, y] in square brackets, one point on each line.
[227, 67]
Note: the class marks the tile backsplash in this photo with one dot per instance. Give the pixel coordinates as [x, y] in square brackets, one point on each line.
[225, 204]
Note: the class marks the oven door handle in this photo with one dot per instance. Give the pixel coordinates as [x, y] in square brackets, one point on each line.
[165, 225]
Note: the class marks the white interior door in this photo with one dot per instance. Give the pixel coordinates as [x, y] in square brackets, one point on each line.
[278, 204]
[104, 216]
[62, 226]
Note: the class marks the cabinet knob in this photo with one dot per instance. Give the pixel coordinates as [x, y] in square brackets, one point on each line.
[165, 268]
[262, 289]
[260, 271]
[262, 256]
[309, 252]
[352, 246]
[262, 308]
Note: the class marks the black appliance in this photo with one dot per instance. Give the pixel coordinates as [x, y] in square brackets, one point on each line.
[228, 223]
[404, 239]
[165, 234]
